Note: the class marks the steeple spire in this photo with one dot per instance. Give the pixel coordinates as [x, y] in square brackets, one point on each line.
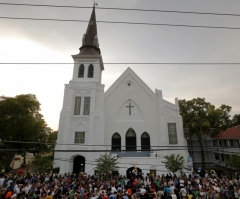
[90, 44]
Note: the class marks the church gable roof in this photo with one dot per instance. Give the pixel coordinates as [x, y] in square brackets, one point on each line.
[129, 72]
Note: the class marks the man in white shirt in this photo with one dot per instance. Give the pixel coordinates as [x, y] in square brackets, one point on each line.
[183, 192]
[203, 194]
[1, 182]
[172, 187]
[9, 182]
[16, 188]
[173, 195]
[113, 189]
[181, 182]
[216, 188]
[94, 196]
[143, 190]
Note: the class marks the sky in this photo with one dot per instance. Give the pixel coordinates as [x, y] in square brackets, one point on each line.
[25, 41]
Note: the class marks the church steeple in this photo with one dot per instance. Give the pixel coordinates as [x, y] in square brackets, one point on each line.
[90, 45]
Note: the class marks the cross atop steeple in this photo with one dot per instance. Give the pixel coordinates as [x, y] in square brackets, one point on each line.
[94, 3]
[90, 45]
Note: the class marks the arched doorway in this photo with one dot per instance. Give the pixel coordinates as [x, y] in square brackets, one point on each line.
[145, 141]
[116, 142]
[130, 140]
[133, 172]
[153, 171]
[78, 164]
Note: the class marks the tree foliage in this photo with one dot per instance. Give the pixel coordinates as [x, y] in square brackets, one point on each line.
[174, 163]
[106, 164]
[201, 118]
[21, 121]
[42, 163]
[234, 162]
[236, 120]
[52, 139]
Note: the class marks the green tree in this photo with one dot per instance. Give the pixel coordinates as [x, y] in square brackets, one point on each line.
[42, 163]
[21, 121]
[234, 162]
[106, 164]
[224, 118]
[236, 120]
[174, 163]
[201, 118]
[52, 139]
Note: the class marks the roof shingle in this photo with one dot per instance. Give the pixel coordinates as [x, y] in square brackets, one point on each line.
[230, 133]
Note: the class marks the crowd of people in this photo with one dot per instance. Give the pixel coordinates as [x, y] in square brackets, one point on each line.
[83, 186]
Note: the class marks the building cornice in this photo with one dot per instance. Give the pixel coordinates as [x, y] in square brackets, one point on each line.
[80, 58]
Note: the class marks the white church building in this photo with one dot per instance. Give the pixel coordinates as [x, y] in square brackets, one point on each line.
[129, 120]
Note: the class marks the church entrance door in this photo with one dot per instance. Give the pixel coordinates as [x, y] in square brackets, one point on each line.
[130, 140]
[134, 172]
[78, 164]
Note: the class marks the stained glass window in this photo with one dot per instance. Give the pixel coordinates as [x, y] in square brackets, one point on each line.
[145, 141]
[79, 137]
[116, 142]
[172, 133]
[131, 140]
[77, 106]
[86, 109]
[90, 71]
[81, 71]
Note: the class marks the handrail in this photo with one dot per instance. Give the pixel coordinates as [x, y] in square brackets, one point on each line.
[90, 170]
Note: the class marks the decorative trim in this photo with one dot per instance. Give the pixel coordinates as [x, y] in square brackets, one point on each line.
[79, 58]
[144, 89]
[174, 109]
[161, 109]
[115, 88]
[82, 87]
[135, 81]
[81, 118]
[71, 85]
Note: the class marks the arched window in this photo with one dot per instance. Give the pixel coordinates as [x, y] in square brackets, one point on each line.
[145, 141]
[90, 71]
[116, 142]
[81, 71]
[131, 140]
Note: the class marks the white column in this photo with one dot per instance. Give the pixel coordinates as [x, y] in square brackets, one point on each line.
[161, 124]
[101, 117]
[92, 115]
[68, 114]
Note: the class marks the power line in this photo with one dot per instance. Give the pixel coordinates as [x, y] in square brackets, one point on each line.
[121, 22]
[47, 143]
[123, 9]
[133, 63]
[106, 150]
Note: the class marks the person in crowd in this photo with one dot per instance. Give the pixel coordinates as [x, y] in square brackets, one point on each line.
[83, 186]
